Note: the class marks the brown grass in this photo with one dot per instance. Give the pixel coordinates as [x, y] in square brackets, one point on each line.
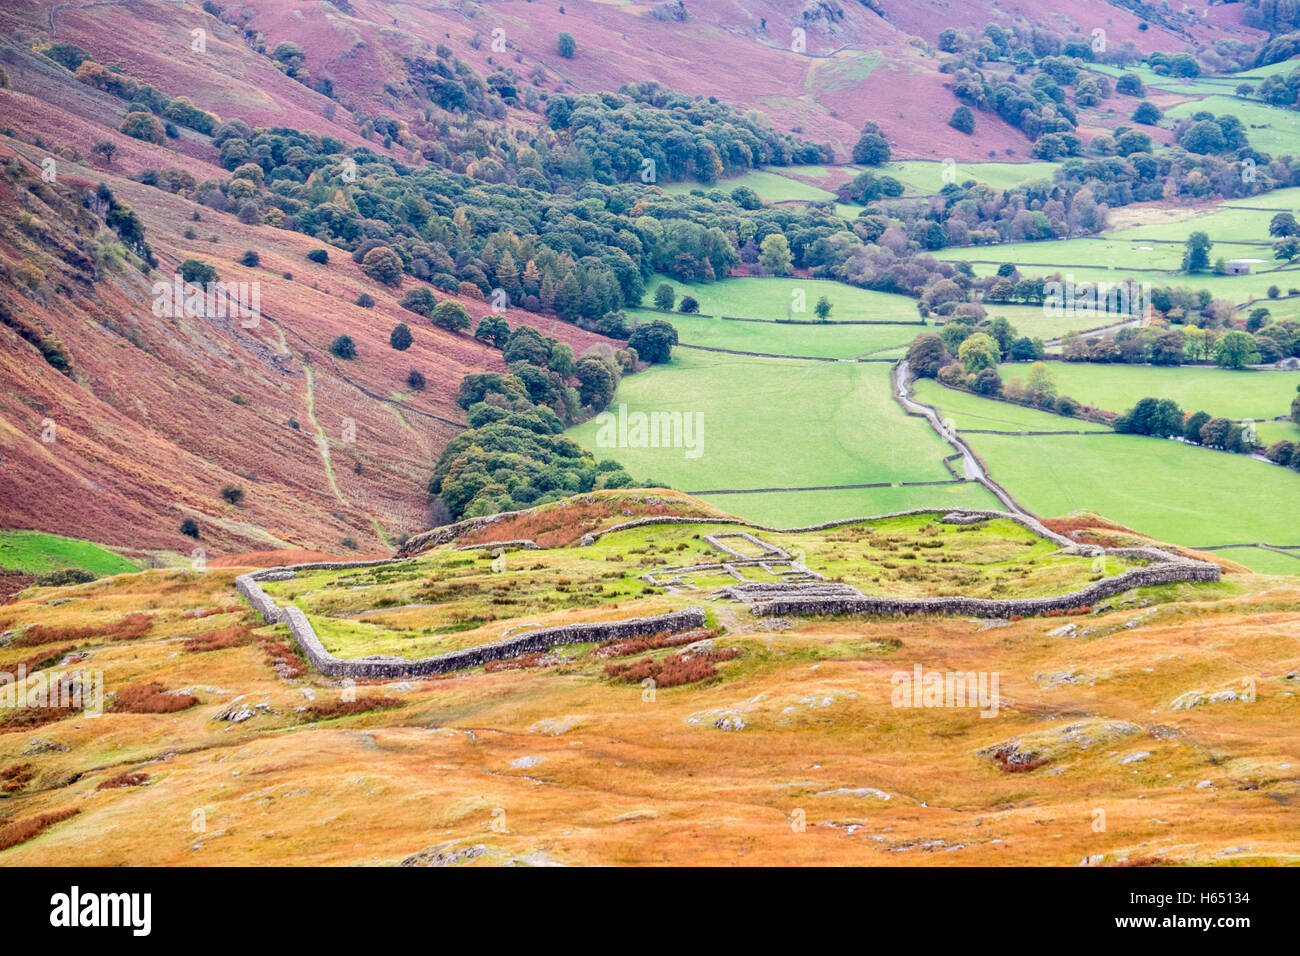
[21, 831]
[350, 708]
[41, 659]
[219, 640]
[280, 654]
[129, 628]
[16, 777]
[674, 670]
[127, 779]
[29, 718]
[150, 698]
[655, 642]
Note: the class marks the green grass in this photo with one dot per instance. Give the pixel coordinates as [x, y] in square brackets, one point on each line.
[801, 508]
[829, 340]
[772, 423]
[770, 185]
[926, 177]
[1262, 560]
[1180, 493]
[1269, 432]
[1270, 130]
[775, 298]
[970, 411]
[1230, 394]
[35, 552]
[1035, 322]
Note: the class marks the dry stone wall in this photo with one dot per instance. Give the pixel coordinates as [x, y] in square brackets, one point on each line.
[397, 667]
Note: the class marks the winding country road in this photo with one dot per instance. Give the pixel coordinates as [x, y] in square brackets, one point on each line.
[970, 463]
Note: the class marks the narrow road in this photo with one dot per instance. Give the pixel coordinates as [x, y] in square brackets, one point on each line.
[971, 465]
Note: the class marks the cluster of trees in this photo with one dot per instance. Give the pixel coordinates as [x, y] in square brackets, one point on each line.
[158, 114]
[1264, 341]
[513, 455]
[1162, 418]
[967, 350]
[649, 133]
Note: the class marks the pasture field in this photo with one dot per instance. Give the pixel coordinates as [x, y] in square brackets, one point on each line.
[778, 508]
[1262, 560]
[1221, 392]
[771, 186]
[1269, 129]
[1176, 492]
[1237, 289]
[35, 552]
[1191, 86]
[971, 411]
[1034, 322]
[775, 297]
[1269, 432]
[787, 338]
[926, 177]
[773, 423]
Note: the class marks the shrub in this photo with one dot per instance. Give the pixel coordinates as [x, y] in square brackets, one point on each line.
[366, 300]
[566, 45]
[415, 379]
[962, 120]
[250, 259]
[65, 576]
[383, 265]
[233, 494]
[451, 316]
[197, 272]
[419, 300]
[144, 126]
[344, 347]
[319, 256]
[190, 528]
[400, 338]
[688, 305]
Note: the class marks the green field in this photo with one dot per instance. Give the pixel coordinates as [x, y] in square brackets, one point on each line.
[35, 552]
[776, 298]
[971, 411]
[772, 423]
[784, 338]
[1263, 560]
[1270, 130]
[926, 177]
[1230, 394]
[783, 509]
[770, 185]
[1180, 493]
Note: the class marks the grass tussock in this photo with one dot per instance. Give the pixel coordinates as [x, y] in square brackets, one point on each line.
[350, 708]
[150, 698]
[127, 779]
[674, 670]
[219, 640]
[20, 831]
[129, 628]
